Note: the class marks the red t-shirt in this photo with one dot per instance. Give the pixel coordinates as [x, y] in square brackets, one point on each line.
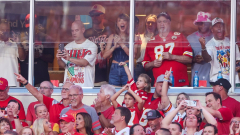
[223, 125]
[24, 124]
[175, 44]
[148, 105]
[31, 116]
[233, 105]
[54, 108]
[3, 105]
[141, 93]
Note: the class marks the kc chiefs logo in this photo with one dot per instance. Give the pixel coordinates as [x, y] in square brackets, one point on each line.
[1, 82]
[64, 115]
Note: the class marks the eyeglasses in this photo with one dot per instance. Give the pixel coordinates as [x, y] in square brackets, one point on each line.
[235, 122]
[65, 89]
[44, 88]
[73, 95]
[95, 15]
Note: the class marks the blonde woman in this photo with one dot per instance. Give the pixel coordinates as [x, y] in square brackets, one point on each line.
[42, 126]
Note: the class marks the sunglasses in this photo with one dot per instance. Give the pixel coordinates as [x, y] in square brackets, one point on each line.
[95, 15]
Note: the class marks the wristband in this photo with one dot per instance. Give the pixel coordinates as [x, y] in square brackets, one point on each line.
[124, 46]
[166, 78]
[204, 49]
[16, 117]
[26, 83]
[125, 65]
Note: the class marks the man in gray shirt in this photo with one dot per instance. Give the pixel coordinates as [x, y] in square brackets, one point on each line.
[203, 23]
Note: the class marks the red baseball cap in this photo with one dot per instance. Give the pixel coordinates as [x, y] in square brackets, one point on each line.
[3, 83]
[27, 20]
[67, 118]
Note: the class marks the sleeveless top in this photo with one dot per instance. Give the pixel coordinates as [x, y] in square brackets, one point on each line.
[119, 54]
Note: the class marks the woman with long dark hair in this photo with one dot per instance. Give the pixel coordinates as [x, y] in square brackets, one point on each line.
[118, 48]
[84, 123]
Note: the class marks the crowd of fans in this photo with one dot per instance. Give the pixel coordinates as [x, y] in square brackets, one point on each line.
[159, 53]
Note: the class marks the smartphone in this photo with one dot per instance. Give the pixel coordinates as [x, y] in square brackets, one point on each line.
[191, 103]
[61, 47]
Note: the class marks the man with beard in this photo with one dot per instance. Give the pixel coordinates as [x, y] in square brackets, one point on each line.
[154, 120]
[203, 23]
[10, 51]
[168, 48]
[217, 51]
[99, 34]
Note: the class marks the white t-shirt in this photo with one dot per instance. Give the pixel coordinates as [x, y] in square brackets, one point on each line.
[184, 132]
[125, 131]
[83, 76]
[9, 62]
[219, 50]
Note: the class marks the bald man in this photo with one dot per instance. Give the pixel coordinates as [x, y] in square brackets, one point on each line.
[78, 58]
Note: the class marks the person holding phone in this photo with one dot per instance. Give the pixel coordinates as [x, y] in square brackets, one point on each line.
[78, 58]
[10, 51]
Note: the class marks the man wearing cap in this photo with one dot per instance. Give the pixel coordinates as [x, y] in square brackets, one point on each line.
[99, 34]
[203, 22]
[222, 114]
[5, 98]
[78, 58]
[67, 125]
[153, 100]
[222, 86]
[120, 120]
[10, 51]
[154, 118]
[217, 51]
[168, 48]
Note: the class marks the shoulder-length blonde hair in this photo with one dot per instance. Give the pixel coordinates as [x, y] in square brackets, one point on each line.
[37, 127]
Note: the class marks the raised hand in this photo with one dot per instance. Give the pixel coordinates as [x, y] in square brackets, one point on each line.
[66, 55]
[97, 105]
[168, 73]
[202, 41]
[108, 131]
[20, 78]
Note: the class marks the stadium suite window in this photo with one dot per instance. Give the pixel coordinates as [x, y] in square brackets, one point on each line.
[53, 24]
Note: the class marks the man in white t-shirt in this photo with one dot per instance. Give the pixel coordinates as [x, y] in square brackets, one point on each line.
[78, 58]
[10, 51]
[217, 51]
[120, 120]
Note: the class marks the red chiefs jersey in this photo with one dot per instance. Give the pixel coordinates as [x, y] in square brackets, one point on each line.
[141, 93]
[135, 115]
[149, 105]
[175, 43]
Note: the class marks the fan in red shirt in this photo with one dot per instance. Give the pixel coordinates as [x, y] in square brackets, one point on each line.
[168, 48]
[222, 86]
[130, 98]
[67, 125]
[52, 105]
[143, 85]
[222, 114]
[103, 105]
[13, 109]
[5, 98]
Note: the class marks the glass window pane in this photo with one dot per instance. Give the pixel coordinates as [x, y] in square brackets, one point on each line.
[90, 65]
[12, 25]
[179, 26]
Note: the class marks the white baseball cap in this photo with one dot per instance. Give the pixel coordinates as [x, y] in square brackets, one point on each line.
[217, 20]
[97, 8]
